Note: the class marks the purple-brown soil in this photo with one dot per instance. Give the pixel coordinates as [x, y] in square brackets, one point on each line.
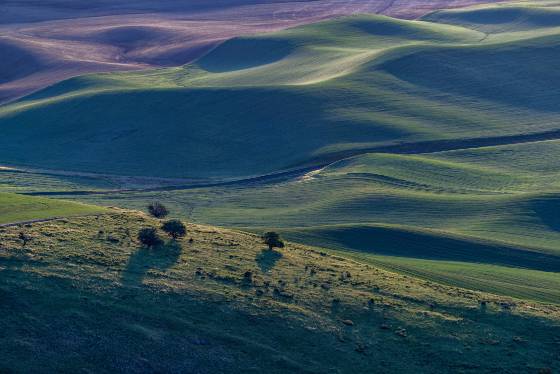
[45, 41]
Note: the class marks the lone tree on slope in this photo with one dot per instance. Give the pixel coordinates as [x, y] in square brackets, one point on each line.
[149, 237]
[24, 238]
[174, 228]
[158, 210]
[273, 240]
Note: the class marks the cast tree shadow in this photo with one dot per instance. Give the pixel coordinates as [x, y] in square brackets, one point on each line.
[144, 259]
[267, 259]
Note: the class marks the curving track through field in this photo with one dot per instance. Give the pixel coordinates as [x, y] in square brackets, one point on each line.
[425, 147]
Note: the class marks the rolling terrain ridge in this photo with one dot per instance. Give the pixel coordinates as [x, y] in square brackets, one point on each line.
[411, 164]
[462, 167]
[45, 42]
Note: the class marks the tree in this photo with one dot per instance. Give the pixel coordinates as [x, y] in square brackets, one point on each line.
[149, 237]
[24, 238]
[174, 228]
[273, 240]
[158, 210]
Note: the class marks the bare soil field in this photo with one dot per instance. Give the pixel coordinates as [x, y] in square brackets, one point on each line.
[43, 42]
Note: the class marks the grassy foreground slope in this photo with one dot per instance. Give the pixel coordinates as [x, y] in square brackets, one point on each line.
[301, 97]
[18, 208]
[223, 303]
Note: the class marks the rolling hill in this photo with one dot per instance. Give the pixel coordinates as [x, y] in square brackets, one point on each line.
[514, 17]
[77, 37]
[491, 206]
[245, 115]
[410, 164]
[259, 105]
[425, 140]
[222, 303]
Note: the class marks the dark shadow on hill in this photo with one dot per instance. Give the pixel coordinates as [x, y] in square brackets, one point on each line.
[196, 336]
[546, 209]
[267, 259]
[11, 64]
[421, 245]
[517, 74]
[499, 19]
[144, 259]
[245, 53]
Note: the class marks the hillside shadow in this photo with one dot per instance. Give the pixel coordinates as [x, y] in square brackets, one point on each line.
[546, 208]
[157, 323]
[144, 259]
[397, 242]
[447, 70]
[267, 259]
[245, 53]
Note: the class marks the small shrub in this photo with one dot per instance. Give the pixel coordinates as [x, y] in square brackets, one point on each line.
[149, 237]
[273, 240]
[158, 210]
[174, 228]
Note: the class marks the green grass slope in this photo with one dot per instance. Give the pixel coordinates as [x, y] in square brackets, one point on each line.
[502, 280]
[489, 206]
[85, 289]
[305, 96]
[18, 208]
